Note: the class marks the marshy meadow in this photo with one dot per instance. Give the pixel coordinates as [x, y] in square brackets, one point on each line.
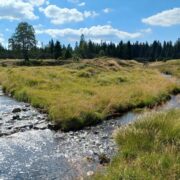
[89, 90]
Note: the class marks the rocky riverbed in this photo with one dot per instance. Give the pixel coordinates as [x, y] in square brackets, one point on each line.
[29, 150]
[19, 117]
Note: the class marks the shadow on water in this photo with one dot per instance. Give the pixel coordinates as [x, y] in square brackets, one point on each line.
[44, 154]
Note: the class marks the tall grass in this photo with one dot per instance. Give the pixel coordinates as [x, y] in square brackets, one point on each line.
[170, 67]
[85, 93]
[148, 149]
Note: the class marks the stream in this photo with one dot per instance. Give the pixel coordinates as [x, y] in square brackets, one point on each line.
[29, 150]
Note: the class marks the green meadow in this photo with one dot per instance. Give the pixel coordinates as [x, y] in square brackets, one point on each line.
[86, 92]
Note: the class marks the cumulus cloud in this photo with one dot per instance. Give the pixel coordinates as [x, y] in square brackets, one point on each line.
[64, 15]
[19, 9]
[90, 14]
[164, 18]
[94, 32]
[35, 2]
[107, 10]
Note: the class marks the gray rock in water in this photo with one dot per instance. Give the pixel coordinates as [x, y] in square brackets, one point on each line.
[90, 173]
[16, 117]
[96, 132]
[105, 137]
[16, 110]
[24, 109]
[41, 126]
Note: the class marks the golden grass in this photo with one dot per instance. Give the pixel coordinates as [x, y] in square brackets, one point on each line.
[81, 94]
[169, 67]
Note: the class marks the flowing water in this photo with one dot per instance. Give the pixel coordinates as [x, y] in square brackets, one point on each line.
[29, 150]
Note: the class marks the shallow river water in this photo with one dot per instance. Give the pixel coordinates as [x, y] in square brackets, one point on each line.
[29, 150]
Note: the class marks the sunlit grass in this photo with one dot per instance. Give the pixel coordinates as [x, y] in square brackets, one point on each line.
[148, 149]
[85, 93]
[170, 67]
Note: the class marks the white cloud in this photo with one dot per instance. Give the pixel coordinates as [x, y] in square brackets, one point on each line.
[35, 2]
[148, 30]
[47, 3]
[164, 18]
[95, 32]
[64, 15]
[107, 10]
[82, 4]
[90, 14]
[19, 9]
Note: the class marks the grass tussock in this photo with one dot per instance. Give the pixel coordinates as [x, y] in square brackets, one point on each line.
[148, 149]
[80, 94]
[169, 67]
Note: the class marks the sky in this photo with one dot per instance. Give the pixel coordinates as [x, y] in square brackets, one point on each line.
[98, 20]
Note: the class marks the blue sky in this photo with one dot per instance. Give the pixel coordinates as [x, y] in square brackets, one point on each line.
[106, 20]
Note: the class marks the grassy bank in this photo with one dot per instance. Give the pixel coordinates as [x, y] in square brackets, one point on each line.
[81, 94]
[170, 67]
[148, 149]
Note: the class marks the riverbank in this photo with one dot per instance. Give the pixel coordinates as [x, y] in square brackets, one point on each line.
[148, 149]
[36, 152]
[85, 93]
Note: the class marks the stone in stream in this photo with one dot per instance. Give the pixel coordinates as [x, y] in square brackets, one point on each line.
[52, 126]
[41, 126]
[97, 142]
[105, 137]
[24, 109]
[16, 110]
[9, 127]
[16, 117]
[90, 173]
[96, 132]
[8, 132]
[22, 128]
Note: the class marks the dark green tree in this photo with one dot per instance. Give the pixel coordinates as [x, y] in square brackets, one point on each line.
[23, 39]
[57, 50]
[68, 52]
[177, 49]
[51, 48]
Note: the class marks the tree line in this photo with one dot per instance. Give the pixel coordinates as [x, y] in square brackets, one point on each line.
[22, 45]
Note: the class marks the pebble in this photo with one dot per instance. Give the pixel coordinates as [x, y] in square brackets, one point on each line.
[90, 173]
